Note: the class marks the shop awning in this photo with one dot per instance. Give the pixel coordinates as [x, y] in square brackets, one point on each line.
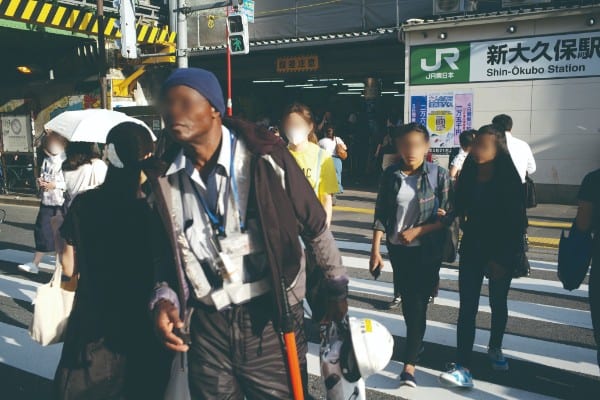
[71, 18]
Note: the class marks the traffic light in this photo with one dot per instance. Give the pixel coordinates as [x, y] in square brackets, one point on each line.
[237, 27]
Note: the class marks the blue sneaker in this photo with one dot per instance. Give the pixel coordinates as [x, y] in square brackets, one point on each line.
[457, 376]
[407, 379]
[499, 363]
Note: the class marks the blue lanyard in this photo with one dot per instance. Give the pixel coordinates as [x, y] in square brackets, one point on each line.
[218, 221]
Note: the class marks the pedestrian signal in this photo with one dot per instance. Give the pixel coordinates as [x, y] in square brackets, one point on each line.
[237, 27]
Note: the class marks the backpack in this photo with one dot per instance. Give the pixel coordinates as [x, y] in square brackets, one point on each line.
[451, 232]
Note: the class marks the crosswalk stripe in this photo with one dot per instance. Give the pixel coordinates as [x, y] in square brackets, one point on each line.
[17, 288]
[531, 284]
[551, 354]
[23, 289]
[344, 245]
[22, 257]
[18, 350]
[516, 309]
[387, 381]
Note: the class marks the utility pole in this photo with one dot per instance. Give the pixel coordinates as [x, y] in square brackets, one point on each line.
[229, 85]
[182, 42]
[101, 53]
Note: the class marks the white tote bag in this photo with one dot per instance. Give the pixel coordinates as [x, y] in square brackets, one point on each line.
[51, 312]
[178, 387]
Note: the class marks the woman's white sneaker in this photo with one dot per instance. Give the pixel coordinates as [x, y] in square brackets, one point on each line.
[30, 268]
[457, 376]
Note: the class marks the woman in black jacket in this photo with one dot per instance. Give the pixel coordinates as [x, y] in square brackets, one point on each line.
[489, 203]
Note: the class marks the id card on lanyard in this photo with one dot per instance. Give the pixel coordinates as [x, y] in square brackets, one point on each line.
[218, 221]
[232, 248]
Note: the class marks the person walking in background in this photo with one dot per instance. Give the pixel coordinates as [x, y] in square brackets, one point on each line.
[233, 204]
[52, 186]
[410, 195]
[331, 144]
[588, 220]
[466, 141]
[522, 158]
[110, 350]
[520, 151]
[386, 150]
[83, 169]
[316, 163]
[326, 121]
[489, 204]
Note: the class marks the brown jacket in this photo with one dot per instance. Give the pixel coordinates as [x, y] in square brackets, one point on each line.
[288, 208]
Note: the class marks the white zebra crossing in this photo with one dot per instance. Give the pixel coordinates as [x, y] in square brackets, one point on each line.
[517, 309]
[19, 351]
[429, 387]
[542, 286]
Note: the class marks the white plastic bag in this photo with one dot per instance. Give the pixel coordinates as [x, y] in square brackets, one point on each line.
[178, 387]
[51, 312]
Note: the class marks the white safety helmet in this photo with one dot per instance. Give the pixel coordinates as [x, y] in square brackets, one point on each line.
[373, 345]
[343, 368]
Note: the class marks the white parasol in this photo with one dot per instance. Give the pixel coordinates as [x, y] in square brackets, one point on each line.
[91, 125]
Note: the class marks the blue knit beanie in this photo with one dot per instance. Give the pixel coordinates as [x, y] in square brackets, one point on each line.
[201, 80]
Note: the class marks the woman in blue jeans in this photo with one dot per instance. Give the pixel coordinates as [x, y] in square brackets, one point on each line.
[490, 205]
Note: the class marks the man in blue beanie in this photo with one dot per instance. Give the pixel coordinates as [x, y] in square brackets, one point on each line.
[232, 203]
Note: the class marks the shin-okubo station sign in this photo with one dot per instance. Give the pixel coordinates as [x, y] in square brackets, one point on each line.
[445, 115]
[568, 55]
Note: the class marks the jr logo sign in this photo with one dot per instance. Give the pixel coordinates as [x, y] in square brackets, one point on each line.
[450, 56]
[438, 65]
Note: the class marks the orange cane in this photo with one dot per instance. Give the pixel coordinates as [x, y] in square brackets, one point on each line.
[289, 340]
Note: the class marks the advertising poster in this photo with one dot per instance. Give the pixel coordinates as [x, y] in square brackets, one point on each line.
[16, 136]
[463, 115]
[418, 109]
[445, 115]
[440, 119]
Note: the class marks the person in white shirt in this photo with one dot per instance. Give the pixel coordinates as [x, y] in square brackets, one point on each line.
[466, 139]
[329, 143]
[520, 152]
[52, 186]
[83, 169]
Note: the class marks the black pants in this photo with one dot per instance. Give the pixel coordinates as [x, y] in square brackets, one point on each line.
[141, 371]
[414, 282]
[101, 377]
[595, 305]
[470, 279]
[237, 353]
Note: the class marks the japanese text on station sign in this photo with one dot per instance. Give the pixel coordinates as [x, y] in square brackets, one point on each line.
[297, 64]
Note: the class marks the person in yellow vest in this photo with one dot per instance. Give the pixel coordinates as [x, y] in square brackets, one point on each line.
[317, 164]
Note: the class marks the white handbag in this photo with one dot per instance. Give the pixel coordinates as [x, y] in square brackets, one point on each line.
[178, 387]
[51, 312]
